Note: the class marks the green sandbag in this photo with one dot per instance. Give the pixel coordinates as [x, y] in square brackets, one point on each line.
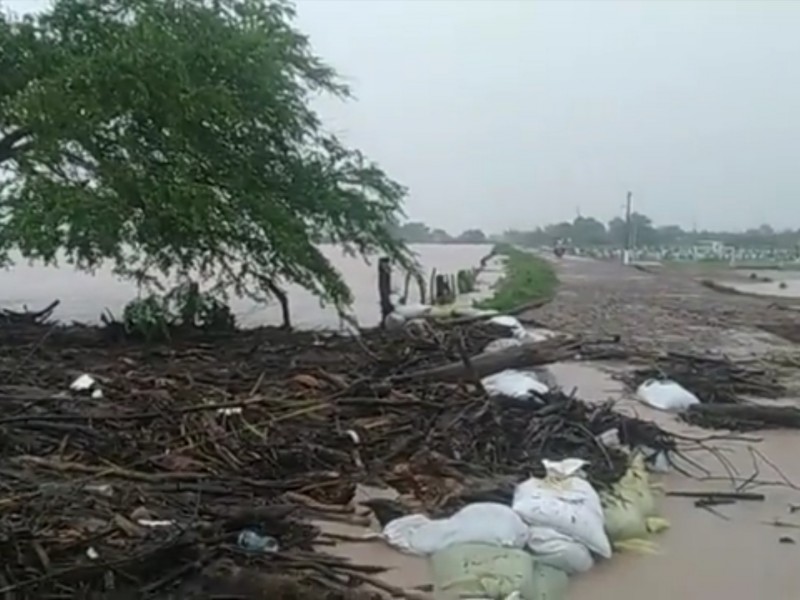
[492, 572]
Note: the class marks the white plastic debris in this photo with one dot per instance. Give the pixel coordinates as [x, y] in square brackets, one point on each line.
[508, 322]
[565, 502]
[353, 435]
[83, 383]
[666, 395]
[412, 311]
[471, 311]
[560, 551]
[92, 554]
[529, 336]
[482, 522]
[154, 523]
[232, 410]
[502, 344]
[394, 321]
[514, 384]
[97, 394]
[610, 438]
[656, 461]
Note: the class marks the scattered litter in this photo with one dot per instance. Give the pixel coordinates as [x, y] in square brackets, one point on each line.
[92, 554]
[254, 542]
[230, 411]
[97, 394]
[83, 383]
[514, 384]
[155, 523]
[502, 344]
[511, 323]
[666, 395]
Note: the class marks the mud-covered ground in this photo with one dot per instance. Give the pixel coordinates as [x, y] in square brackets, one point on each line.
[668, 309]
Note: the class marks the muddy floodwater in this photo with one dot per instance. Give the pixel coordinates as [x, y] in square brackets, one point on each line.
[783, 284]
[84, 297]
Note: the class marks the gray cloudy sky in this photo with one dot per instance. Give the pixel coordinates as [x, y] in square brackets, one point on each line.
[504, 114]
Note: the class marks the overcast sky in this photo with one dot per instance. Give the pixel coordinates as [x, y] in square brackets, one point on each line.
[504, 114]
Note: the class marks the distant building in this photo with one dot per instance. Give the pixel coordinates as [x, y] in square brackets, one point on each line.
[708, 249]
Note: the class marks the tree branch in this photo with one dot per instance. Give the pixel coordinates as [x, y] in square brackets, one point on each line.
[9, 144]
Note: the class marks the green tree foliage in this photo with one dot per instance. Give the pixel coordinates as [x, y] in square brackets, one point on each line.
[472, 236]
[588, 232]
[176, 136]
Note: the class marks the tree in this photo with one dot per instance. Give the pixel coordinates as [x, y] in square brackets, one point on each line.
[414, 232]
[588, 231]
[176, 136]
[472, 236]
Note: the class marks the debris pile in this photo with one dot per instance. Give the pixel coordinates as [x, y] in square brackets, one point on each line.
[211, 454]
[712, 379]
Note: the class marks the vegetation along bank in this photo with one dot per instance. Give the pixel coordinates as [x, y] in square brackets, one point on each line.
[528, 278]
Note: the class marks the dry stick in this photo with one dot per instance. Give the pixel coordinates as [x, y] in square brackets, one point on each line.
[720, 495]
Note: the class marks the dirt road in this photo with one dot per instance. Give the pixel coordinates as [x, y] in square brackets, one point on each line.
[668, 310]
[733, 554]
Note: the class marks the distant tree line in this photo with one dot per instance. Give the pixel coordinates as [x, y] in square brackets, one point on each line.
[588, 231]
[416, 232]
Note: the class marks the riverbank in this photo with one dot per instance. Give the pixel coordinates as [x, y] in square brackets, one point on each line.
[84, 297]
[527, 278]
[271, 433]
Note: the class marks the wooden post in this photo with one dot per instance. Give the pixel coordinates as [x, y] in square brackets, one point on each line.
[443, 293]
[385, 287]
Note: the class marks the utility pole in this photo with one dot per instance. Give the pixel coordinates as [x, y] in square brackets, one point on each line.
[628, 229]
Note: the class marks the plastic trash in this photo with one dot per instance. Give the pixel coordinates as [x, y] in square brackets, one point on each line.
[529, 336]
[514, 384]
[566, 502]
[479, 571]
[83, 383]
[558, 550]
[666, 395]
[255, 542]
[509, 322]
[502, 344]
[482, 522]
[412, 311]
[630, 511]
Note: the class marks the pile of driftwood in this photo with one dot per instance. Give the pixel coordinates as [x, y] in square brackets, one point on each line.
[143, 484]
[713, 379]
[732, 394]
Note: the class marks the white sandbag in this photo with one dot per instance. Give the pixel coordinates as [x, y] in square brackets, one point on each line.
[412, 311]
[508, 322]
[482, 523]
[502, 344]
[666, 395]
[560, 551]
[566, 502]
[514, 384]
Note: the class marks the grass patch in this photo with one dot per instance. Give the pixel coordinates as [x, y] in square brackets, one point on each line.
[527, 278]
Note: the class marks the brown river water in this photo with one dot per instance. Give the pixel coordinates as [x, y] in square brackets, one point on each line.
[84, 297]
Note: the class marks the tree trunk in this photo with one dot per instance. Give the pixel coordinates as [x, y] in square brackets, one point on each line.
[283, 298]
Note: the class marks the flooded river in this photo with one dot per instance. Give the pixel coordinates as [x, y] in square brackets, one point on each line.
[84, 297]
